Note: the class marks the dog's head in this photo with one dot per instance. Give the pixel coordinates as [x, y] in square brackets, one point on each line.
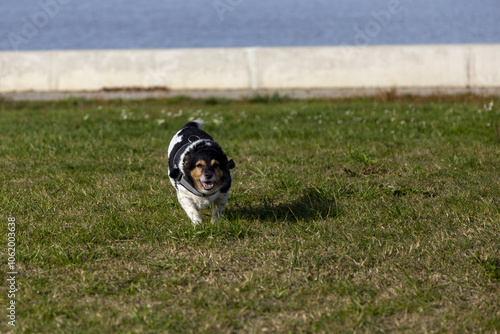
[208, 170]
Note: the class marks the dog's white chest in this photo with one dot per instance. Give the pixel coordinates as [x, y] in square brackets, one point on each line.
[198, 201]
[201, 202]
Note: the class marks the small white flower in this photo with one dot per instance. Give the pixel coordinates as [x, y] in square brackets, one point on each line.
[488, 107]
[99, 107]
[86, 117]
[160, 121]
[146, 116]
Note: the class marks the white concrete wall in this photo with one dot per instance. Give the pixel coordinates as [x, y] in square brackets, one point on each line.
[413, 66]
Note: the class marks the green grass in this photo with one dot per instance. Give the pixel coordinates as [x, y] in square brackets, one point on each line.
[372, 215]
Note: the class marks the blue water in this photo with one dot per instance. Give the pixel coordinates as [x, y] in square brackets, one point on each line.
[118, 24]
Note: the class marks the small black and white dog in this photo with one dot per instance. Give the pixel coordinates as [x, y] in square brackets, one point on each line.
[199, 171]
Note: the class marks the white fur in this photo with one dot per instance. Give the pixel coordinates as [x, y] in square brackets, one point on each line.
[177, 139]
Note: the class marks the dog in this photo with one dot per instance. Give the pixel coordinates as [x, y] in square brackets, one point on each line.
[199, 170]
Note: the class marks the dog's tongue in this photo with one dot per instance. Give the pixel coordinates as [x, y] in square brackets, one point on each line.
[207, 185]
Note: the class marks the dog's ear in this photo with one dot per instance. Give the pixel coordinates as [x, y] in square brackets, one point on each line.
[227, 176]
[226, 185]
[174, 173]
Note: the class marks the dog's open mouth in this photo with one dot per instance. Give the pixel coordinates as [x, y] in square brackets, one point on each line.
[207, 185]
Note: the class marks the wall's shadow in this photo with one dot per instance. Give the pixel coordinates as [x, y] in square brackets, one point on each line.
[313, 204]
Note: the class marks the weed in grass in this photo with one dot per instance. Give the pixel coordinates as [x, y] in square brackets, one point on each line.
[491, 266]
[212, 101]
[266, 98]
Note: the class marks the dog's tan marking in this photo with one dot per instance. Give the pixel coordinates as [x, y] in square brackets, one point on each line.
[196, 174]
[218, 172]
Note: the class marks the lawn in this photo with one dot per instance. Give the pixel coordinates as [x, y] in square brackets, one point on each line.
[355, 215]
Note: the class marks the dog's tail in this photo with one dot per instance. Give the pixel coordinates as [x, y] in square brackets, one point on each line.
[194, 124]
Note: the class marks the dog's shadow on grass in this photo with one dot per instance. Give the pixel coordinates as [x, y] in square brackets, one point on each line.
[314, 204]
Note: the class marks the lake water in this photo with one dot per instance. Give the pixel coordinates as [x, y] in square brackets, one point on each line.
[118, 24]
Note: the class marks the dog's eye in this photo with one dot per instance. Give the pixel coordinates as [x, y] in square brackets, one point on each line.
[216, 165]
[199, 165]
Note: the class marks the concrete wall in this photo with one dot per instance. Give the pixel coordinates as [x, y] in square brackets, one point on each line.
[413, 66]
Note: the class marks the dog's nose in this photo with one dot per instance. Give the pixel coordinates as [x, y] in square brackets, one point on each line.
[208, 175]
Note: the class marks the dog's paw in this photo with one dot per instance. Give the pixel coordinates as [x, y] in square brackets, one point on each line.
[195, 218]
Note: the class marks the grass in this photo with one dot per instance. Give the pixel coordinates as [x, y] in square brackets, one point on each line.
[362, 215]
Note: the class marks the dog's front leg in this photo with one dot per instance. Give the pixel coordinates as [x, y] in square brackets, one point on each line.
[191, 210]
[219, 205]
